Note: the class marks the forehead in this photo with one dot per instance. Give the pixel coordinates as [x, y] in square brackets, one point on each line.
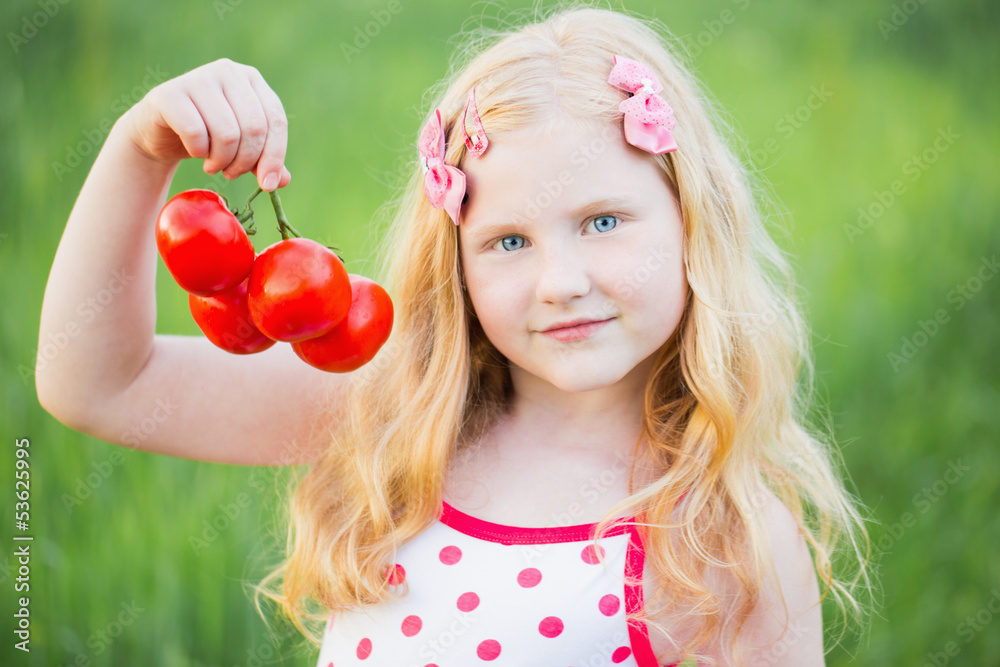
[554, 167]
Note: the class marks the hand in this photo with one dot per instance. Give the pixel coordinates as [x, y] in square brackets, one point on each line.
[224, 112]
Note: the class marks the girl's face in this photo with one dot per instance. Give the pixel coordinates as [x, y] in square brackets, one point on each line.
[568, 222]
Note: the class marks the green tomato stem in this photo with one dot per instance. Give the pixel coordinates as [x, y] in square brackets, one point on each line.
[284, 226]
[247, 214]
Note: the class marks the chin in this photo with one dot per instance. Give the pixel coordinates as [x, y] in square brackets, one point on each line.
[575, 382]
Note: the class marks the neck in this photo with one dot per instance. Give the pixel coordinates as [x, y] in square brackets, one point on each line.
[603, 421]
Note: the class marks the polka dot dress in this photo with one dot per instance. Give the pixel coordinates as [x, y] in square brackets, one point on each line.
[482, 593]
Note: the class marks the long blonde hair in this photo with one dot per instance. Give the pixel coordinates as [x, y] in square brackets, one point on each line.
[725, 408]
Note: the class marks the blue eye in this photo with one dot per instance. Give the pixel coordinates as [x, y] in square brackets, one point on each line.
[515, 246]
[601, 223]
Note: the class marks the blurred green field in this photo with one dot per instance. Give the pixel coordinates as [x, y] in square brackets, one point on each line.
[875, 124]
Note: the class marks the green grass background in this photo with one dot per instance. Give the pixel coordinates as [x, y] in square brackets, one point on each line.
[353, 126]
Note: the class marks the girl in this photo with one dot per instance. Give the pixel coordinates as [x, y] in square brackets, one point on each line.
[584, 443]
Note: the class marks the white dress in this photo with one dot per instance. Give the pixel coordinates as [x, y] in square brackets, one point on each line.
[482, 593]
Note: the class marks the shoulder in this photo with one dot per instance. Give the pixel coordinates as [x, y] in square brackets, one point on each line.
[786, 627]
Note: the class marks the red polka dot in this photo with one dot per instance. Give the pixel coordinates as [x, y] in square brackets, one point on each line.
[488, 650]
[329, 624]
[591, 555]
[468, 601]
[396, 575]
[364, 648]
[529, 577]
[450, 555]
[609, 605]
[551, 626]
[620, 654]
[412, 625]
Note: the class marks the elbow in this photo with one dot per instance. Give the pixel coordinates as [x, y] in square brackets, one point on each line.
[53, 398]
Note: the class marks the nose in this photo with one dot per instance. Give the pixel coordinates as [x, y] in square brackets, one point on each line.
[562, 274]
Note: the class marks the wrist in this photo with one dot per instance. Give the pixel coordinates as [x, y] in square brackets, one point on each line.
[126, 138]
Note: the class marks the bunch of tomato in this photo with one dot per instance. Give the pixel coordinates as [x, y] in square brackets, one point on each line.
[296, 291]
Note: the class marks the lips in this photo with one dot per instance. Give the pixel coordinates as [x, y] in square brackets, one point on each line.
[573, 323]
[576, 329]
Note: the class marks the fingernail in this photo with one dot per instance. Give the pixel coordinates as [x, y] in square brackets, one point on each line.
[270, 181]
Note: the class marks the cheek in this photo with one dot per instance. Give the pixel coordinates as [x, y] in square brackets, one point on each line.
[654, 283]
[497, 303]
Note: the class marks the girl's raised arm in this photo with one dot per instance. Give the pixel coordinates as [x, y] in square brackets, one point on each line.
[101, 369]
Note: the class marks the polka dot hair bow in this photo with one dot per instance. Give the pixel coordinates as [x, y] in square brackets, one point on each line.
[648, 117]
[444, 184]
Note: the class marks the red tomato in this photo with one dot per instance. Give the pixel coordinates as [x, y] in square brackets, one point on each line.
[355, 341]
[298, 289]
[225, 320]
[202, 243]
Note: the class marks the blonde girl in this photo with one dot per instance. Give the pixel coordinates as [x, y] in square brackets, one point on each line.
[586, 442]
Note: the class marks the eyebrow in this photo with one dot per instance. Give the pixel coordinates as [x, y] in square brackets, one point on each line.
[517, 224]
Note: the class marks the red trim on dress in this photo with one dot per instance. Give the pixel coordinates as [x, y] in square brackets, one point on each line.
[503, 534]
[638, 632]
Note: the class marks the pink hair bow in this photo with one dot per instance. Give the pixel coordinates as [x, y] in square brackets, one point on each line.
[444, 184]
[648, 117]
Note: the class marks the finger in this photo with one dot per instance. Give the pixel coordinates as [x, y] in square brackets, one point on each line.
[223, 128]
[184, 120]
[270, 165]
[252, 122]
